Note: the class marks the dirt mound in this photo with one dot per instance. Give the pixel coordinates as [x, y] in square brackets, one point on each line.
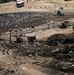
[68, 41]
[55, 39]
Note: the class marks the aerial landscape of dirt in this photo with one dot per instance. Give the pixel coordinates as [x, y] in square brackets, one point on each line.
[51, 54]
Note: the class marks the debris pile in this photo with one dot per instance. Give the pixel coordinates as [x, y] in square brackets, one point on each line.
[54, 40]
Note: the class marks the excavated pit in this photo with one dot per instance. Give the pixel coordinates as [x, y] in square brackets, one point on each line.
[54, 56]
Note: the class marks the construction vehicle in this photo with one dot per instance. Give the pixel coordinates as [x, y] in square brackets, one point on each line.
[63, 25]
[58, 12]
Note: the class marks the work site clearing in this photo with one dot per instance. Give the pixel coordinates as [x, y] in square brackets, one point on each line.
[50, 53]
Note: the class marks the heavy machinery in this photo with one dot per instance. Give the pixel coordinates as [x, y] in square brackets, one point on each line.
[63, 25]
[58, 12]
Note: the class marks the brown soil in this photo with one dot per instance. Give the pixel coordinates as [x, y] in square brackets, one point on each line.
[38, 58]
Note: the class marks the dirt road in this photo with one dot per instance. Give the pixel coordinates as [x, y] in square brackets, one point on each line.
[37, 5]
[44, 34]
[28, 70]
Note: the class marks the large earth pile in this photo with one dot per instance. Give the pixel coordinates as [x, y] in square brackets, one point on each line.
[56, 39]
